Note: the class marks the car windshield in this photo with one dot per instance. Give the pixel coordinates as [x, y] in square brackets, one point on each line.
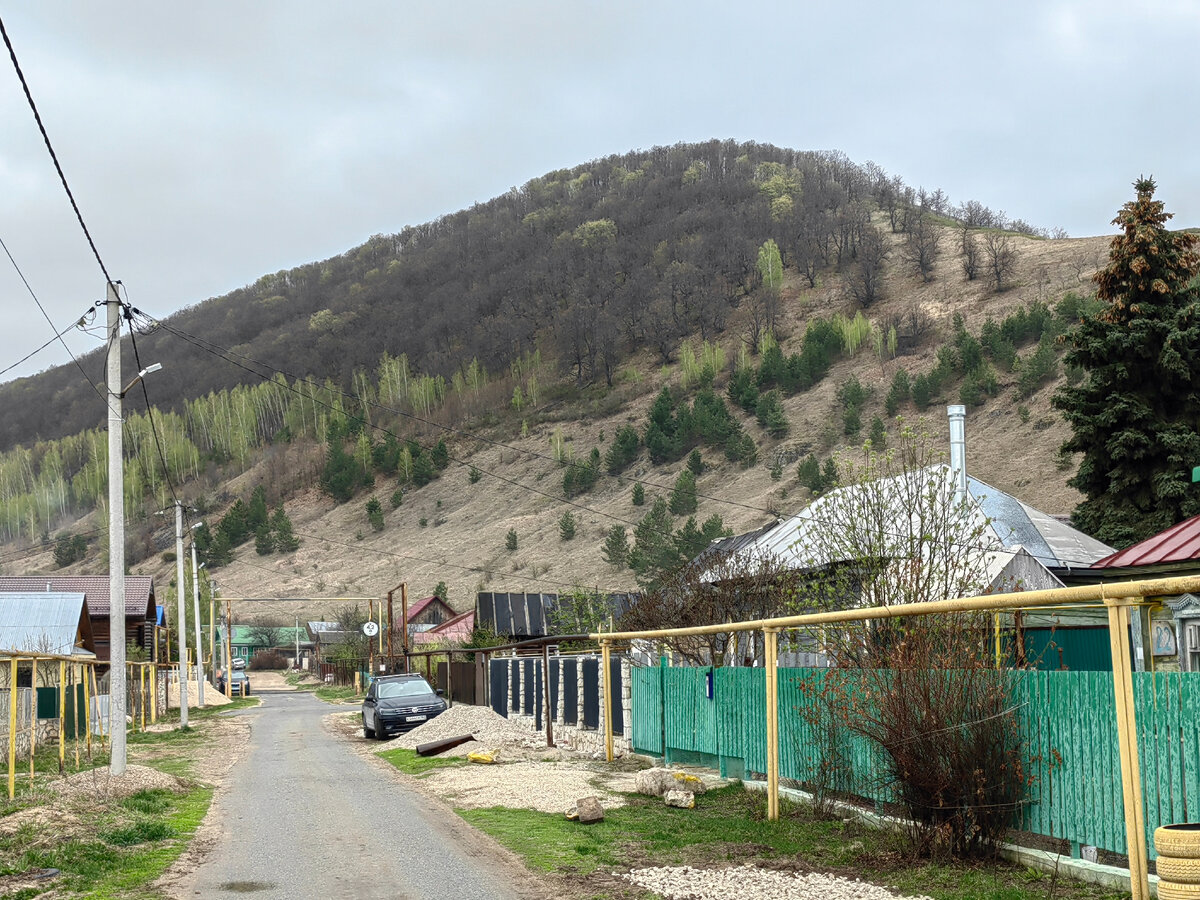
[391, 689]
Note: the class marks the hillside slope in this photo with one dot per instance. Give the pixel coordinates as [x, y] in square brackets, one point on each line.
[462, 540]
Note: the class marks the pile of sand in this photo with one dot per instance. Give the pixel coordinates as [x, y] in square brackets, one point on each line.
[212, 697]
[100, 784]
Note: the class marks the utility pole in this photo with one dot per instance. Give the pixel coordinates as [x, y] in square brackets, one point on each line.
[229, 647]
[181, 625]
[297, 643]
[196, 616]
[116, 539]
[212, 623]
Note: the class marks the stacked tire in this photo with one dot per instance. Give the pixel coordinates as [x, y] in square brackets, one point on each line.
[1178, 863]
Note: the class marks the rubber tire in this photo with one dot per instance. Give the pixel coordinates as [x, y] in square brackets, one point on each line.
[368, 733]
[1177, 843]
[380, 731]
[1178, 869]
[1170, 890]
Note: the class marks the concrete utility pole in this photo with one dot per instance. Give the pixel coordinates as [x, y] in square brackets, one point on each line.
[196, 616]
[181, 625]
[116, 539]
[297, 633]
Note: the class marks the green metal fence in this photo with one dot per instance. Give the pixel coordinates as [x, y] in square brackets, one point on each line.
[717, 718]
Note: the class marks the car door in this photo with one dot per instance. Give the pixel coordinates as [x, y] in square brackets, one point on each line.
[369, 703]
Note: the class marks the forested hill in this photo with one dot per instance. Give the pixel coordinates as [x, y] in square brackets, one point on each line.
[587, 264]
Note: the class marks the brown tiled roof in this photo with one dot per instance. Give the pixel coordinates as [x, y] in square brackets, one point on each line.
[139, 591]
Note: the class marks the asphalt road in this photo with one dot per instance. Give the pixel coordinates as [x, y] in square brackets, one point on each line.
[305, 816]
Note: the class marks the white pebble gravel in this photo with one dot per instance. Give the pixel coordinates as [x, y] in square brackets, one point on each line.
[546, 787]
[491, 731]
[750, 883]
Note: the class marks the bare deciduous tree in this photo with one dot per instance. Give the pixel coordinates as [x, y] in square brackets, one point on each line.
[972, 256]
[1000, 259]
[865, 281]
[923, 246]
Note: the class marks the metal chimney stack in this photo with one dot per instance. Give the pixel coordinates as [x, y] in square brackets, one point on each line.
[958, 450]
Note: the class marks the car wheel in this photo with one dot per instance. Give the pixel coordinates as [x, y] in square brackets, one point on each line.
[380, 731]
[368, 733]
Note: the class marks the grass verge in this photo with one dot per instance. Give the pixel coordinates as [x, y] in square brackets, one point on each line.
[409, 762]
[326, 692]
[729, 827]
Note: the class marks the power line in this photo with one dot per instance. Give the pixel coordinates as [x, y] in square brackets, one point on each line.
[50, 147]
[46, 316]
[150, 413]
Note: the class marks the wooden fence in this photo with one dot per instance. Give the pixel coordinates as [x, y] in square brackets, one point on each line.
[717, 717]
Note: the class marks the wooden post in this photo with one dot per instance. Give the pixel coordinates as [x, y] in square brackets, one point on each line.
[391, 656]
[404, 622]
[546, 712]
[605, 651]
[771, 650]
[370, 641]
[449, 680]
[62, 715]
[1131, 777]
[32, 716]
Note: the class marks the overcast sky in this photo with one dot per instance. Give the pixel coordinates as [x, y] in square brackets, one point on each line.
[210, 143]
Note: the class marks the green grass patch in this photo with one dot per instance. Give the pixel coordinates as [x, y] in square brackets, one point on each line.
[409, 762]
[143, 831]
[729, 826]
[331, 694]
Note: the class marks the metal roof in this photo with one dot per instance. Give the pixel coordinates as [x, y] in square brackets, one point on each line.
[1179, 543]
[40, 621]
[139, 589]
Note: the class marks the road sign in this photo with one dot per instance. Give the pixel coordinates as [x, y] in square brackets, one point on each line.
[370, 629]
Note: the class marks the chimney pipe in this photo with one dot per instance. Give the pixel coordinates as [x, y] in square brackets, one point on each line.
[958, 450]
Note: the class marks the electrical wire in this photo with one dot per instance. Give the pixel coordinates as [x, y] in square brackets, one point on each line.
[12, 53]
[46, 316]
[150, 413]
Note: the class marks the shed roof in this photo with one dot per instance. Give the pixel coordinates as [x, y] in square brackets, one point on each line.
[41, 621]
[1179, 543]
[139, 591]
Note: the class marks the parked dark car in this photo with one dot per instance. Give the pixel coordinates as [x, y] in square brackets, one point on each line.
[239, 683]
[398, 703]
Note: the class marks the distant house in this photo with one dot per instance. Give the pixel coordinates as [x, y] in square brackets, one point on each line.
[140, 613]
[324, 636]
[426, 614]
[44, 622]
[246, 640]
[453, 631]
[1167, 629]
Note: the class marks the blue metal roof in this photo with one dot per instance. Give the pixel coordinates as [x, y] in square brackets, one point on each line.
[40, 622]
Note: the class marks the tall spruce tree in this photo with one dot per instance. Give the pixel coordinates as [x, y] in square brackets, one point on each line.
[1136, 415]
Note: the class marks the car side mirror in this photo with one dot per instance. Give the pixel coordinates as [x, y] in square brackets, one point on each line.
[439, 692]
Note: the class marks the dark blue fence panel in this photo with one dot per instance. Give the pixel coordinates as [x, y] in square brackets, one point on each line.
[570, 678]
[514, 685]
[527, 687]
[498, 688]
[591, 692]
[618, 712]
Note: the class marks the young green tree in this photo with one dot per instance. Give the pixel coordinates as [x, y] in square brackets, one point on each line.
[639, 494]
[1134, 416]
[285, 538]
[441, 590]
[616, 547]
[653, 554]
[264, 540]
[375, 513]
[510, 540]
[566, 526]
[683, 494]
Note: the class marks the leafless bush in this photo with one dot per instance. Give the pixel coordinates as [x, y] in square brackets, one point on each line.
[267, 659]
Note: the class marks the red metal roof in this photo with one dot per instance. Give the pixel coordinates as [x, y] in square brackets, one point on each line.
[1179, 543]
[139, 589]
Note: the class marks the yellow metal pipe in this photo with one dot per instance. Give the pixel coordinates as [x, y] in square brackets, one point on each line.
[1131, 787]
[62, 715]
[32, 717]
[1157, 587]
[12, 728]
[142, 688]
[75, 698]
[771, 660]
[605, 657]
[96, 691]
[87, 708]
[153, 694]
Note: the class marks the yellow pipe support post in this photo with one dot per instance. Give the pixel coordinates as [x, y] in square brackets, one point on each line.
[142, 688]
[12, 728]
[87, 709]
[75, 697]
[99, 717]
[1131, 778]
[62, 716]
[153, 693]
[32, 717]
[771, 661]
[605, 656]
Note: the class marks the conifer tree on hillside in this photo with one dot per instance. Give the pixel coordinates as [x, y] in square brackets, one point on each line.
[1135, 415]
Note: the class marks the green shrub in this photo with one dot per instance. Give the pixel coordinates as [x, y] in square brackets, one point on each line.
[510, 540]
[375, 514]
[639, 494]
[566, 526]
[683, 494]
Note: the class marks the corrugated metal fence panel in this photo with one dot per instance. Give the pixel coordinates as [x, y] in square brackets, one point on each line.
[527, 682]
[1073, 649]
[498, 688]
[570, 676]
[514, 669]
[647, 713]
[555, 673]
[617, 686]
[590, 672]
